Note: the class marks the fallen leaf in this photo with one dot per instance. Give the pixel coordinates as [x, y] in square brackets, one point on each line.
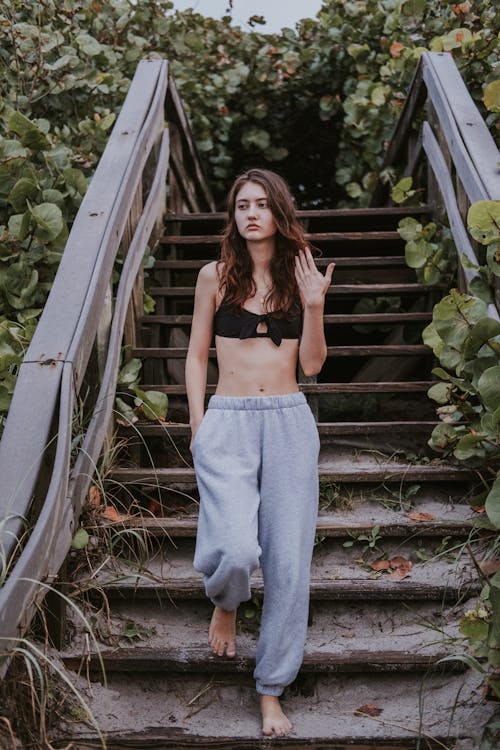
[488, 567]
[380, 565]
[415, 515]
[401, 568]
[154, 507]
[370, 709]
[94, 496]
[109, 513]
[400, 562]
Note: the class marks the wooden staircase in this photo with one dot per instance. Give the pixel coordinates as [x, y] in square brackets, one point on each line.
[372, 673]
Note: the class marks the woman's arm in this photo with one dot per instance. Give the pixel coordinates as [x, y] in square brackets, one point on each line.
[312, 288]
[199, 343]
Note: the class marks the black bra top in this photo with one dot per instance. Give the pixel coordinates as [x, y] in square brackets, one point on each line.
[243, 325]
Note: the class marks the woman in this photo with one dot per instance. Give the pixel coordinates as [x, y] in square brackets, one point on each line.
[256, 448]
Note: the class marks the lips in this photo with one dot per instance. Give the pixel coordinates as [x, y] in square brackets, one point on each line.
[253, 226]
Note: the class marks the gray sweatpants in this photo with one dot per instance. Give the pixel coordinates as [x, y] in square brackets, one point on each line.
[256, 462]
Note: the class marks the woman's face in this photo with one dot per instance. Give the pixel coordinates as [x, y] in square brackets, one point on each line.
[252, 214]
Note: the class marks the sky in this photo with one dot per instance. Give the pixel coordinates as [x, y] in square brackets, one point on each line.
[278, 13]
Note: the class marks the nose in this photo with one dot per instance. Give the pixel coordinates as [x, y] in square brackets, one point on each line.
[254, 210]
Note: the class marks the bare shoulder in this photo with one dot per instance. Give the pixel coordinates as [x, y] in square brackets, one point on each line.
[210, 273]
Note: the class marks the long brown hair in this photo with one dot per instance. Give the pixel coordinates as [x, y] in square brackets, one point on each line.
[236, 280]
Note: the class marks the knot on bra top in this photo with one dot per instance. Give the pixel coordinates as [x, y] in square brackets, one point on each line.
[244, 324]
[249, 326]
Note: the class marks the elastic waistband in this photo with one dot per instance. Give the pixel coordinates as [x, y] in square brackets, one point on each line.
[283, 401]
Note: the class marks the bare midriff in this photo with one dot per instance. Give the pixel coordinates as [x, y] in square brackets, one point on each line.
[256, 366]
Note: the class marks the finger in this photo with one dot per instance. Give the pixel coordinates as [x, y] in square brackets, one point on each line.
[329, 272]
[309, 259]
[300, 263]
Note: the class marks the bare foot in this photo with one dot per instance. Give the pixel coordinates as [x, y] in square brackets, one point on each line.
[222, 632]
[274, 720]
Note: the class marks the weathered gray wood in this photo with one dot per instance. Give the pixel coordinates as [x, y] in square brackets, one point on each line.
[175, 111]
[186, 527]
[330, 429]
[21, 453]
[321, 589]
[87, 457]
[472, 130]
[460, 236]
[349, 473]
[200, 660]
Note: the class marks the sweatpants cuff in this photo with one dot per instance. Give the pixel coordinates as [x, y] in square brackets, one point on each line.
[275, 690]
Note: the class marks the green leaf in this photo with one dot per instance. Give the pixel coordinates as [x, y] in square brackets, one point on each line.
[24, 190]
[492, 506]
[493, 258]
[482, 331]
[469, 446]
[153, 404]
[483, 221]
[49, 220]
[439, 392]
[31, 135]
[81, 539]
[129, 373]
[19, 225]
[489, 387]
[409, 228]
[125, 412]
[443, 437]
[149, 303]
[417, 253]
[431, 338]
[491, 96]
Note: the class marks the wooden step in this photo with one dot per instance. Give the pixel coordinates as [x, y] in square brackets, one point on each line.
[327, 526]
[182, 712]
[164, 477]
[379, 350]
[335, 576]
[337, 319]
[325, 213]
[325, 429]
[313, 237]
[381, 261]
[416, 386]
[199, 660]
[334, 290]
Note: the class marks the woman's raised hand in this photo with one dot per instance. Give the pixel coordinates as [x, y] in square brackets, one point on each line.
[311, 282]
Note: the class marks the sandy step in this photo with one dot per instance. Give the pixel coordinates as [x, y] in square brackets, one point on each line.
[457, 521]
[155, 711]
[334, 465]
[337, 573]
[424, 628]
[190, 659]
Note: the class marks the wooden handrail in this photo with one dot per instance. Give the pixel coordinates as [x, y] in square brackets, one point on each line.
[41, 494]
[455, 139]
